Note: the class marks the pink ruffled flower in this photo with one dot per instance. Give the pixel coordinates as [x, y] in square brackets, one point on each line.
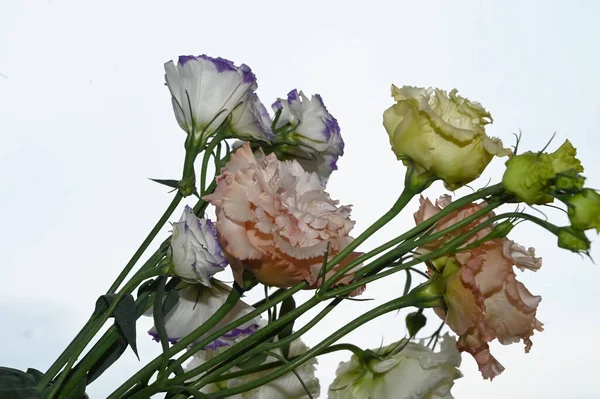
[275, 219]
[484, 300]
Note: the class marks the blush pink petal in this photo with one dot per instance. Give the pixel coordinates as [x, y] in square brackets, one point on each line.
[276, 220]
[484, 300]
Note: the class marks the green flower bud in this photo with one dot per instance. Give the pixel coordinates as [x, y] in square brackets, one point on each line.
[584, 210]
[414, 322]
[573, 239]
[569, 181]
[528, 176]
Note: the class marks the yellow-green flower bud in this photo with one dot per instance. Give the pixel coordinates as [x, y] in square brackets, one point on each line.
[573, 239]
[564, 158]
[440, 134]
[569, 182]
[584, 210]
[414, 322]
[528, 176]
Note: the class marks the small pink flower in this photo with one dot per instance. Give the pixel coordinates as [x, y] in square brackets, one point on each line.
[276, 220]
[484, 300]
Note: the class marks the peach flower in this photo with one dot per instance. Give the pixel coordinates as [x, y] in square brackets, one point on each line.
[484, 300]
[276, 220]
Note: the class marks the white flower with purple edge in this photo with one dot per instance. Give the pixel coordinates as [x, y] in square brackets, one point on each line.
[251, 121]
[316, 133]
[196, 304]
[205, 91]
[195, 252]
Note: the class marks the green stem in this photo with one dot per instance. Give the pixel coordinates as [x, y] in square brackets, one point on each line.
[98, 322]
[267, 366]
[234, 296]
[265, 346]
[207, 154]
[449, 248]
[387, 307]
[489, 191]
[136, 256]
[403, 200]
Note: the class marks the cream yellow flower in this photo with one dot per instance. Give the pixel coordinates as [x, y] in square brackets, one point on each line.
[441, 134]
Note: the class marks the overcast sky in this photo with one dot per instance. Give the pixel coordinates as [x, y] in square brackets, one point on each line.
[85, 119]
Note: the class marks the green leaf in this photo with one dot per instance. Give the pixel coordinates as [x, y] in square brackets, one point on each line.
[111, 355]
[36, 374]
[15, 384]
[287, 305]
[178, 370]
[167, 182]
[124, 315]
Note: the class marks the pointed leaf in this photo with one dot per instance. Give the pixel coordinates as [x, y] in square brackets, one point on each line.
[125, 316]
[167, 182]
[15, 384]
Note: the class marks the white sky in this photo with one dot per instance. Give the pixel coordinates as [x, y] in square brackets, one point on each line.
[85, 119]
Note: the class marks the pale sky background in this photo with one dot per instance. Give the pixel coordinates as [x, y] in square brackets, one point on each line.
[85, 119]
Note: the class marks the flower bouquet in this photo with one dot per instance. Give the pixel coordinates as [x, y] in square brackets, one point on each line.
[256, 187]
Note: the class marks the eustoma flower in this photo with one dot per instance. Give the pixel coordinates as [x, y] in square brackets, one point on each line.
[195, 251]
[196, 304]
[306, 131]
[441, 135]
[276, 220]
[206, 90]
[196, 256]
[415, 372]
[484, 300]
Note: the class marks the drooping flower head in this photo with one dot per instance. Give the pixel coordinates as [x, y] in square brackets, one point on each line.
[195, 252]
[205, 90]
[276, 219]
[414, 372]
[484, 299]
[196, 304]
[442, 134]
[313, 132]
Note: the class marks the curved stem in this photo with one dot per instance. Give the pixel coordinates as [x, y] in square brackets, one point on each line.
[136, 256]
[402, 201]
[489, 191]
[387, 307]
[234, 296]
[449, 248]
[98, 322]
[207, 154]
